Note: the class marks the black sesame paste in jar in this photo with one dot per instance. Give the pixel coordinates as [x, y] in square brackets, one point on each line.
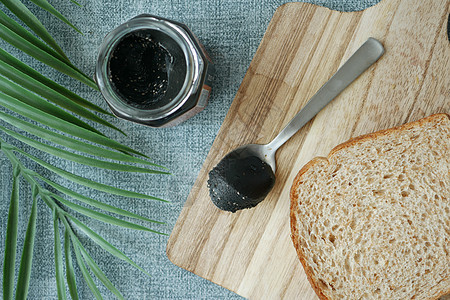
[140, 69]
[154, 71]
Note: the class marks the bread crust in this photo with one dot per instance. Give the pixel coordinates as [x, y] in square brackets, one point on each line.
[298, 181]
[294, 230]
[374, 135]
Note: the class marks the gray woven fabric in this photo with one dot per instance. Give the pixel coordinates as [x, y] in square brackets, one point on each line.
[231, 32]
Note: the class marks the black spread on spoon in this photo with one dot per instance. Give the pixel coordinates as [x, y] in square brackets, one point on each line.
[239, 181]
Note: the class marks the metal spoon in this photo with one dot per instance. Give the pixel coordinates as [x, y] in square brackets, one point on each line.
[245, 176]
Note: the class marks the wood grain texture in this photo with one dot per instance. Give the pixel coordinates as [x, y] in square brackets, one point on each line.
[250, 252]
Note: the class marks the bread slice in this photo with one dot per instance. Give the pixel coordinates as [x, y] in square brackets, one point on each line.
[372, 221]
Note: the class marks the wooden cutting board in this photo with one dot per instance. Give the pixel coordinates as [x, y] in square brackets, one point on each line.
[250, 252]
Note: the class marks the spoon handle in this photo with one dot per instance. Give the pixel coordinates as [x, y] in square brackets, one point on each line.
[360, 61]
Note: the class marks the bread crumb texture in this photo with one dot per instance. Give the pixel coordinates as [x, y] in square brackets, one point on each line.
[372, 221]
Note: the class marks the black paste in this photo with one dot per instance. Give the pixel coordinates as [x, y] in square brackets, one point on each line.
[239, 182]
[139, 69]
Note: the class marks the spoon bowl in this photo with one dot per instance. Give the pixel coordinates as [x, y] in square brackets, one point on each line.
[243, 178]
[264, 152]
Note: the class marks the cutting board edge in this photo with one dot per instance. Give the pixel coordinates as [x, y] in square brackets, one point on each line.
[170, 257]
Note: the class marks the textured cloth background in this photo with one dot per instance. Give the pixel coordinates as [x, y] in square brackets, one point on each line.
[231, 32]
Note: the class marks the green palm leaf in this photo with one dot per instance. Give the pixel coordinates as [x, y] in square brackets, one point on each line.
[11, 241]
[48, 7]
[85, 272]
[48, 93]
[59, 124]
[58, 259]
[70, 273]
[23, 13]
[22, 44]
[75, 157]
[98, 272]
[93, 202]
[27, 254]
[102, 217]
[89, 183]
[21, 31]
[75, 2]
[104, 244]
[23, 95]
[72, 143]
[20, 66]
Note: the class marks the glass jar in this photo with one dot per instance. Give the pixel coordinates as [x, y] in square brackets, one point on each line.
[154, 71]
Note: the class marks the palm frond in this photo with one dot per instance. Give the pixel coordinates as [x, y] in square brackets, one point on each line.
[59, 124]
[102, 217]
[97, 271]
[24, 14]
[27, 254]
[48, 7]
[75, 2]
[72, 143]
[60, 65]
[46, 196]
[23, 95]
[90, 183]
[93, 202]
[92, 265]
[60, 286]
[36, 98]
[77, 158]
[25, 69]
[96, 238]
[21, 31]
[87, 277]
[11, 241]
[44, 91]
[70, 273]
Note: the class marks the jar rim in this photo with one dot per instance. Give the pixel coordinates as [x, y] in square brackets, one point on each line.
[193, 59]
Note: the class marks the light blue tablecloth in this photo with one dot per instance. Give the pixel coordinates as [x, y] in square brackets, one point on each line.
[231, 31]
